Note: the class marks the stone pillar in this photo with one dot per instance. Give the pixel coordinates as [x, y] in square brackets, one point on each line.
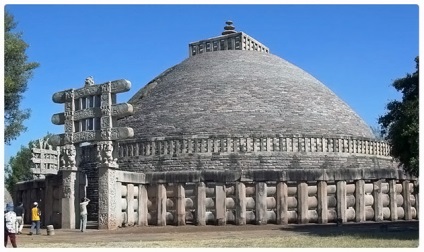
[406, 199]
[108, 218]
[161, 204]
[240, 203]
[360, 201]
[142, 206]
[118, 198]
[341, 201]
[302, 203]
[220, 205]
[322, 207]
[378, 201]
[282, 206]
[393, 203]
[261, 206]
[130, 206]
[180, 205]
[200, 208]
[68, 202]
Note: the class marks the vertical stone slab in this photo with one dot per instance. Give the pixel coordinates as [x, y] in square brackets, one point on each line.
[180, 206]
[392, 197]
[107, 198]
[417, 196]
[68, 203]
[341, 201]
[200, 208]
[261, 206]
[220, 205]
[240, 203]
[282, 206]
[322, 207]
[360, 201]
[119, 216]
[406, 199]
[378, 201]
[130, 206]
[161, 204]
[142, 206]
[302, 203]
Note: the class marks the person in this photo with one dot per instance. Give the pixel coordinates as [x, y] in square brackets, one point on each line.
[35, 219]
[10, 225]
[20, 212]
[83, 213]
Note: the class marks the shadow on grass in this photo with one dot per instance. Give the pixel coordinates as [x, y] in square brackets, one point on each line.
[401, 230]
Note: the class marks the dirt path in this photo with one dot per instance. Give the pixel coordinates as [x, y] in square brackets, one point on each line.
[153, 233]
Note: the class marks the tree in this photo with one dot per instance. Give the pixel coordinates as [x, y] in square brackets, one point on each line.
[18, 168]
[17, 72]
[400, 125]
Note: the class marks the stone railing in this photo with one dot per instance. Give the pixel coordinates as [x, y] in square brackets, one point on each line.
[224, 144]
[253, 202]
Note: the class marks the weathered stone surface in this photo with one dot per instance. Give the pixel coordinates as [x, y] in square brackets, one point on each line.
[240, 92]
[118, 111]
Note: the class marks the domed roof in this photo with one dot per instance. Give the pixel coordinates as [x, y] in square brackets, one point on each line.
[237, 92]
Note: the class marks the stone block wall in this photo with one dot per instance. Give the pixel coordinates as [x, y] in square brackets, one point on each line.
[247, 152]
[46, 192]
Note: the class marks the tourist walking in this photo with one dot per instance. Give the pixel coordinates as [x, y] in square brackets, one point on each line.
[35, 219]
[83, 214]
[10, 225]
[20, 212]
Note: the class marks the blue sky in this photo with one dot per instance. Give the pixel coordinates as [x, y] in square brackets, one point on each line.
[356, 50]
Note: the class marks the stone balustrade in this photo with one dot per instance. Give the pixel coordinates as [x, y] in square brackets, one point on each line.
[270, 202]
[290, 144]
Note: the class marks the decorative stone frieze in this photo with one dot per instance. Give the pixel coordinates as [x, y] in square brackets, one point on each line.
[223, 144]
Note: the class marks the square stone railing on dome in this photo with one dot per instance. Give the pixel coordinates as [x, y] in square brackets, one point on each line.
[234, 41]
[173, 145]
[255, 202]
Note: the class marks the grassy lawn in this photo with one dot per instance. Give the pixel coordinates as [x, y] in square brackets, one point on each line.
[381, 240]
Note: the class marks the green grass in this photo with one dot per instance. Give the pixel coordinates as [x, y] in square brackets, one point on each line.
[384, 240]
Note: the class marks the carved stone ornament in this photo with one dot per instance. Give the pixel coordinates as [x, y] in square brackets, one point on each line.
[68, 157]
[105, 153]
[89, 81]
[67, 186]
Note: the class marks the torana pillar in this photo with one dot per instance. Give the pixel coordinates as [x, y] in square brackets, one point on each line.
[68, 171]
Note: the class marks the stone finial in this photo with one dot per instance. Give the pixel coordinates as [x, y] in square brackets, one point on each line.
[229, 28]
[89, 81]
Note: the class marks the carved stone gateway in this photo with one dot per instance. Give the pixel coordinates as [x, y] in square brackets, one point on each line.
[45, 159]
[90, 115]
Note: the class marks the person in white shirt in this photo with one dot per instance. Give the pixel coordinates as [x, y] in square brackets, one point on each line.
[83, 214]
[10, 225]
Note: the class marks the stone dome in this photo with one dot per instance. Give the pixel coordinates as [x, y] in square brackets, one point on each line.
[237, 92]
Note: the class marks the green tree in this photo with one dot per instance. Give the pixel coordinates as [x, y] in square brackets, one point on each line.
[18, 168]
[17, 72]
[400, 125]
